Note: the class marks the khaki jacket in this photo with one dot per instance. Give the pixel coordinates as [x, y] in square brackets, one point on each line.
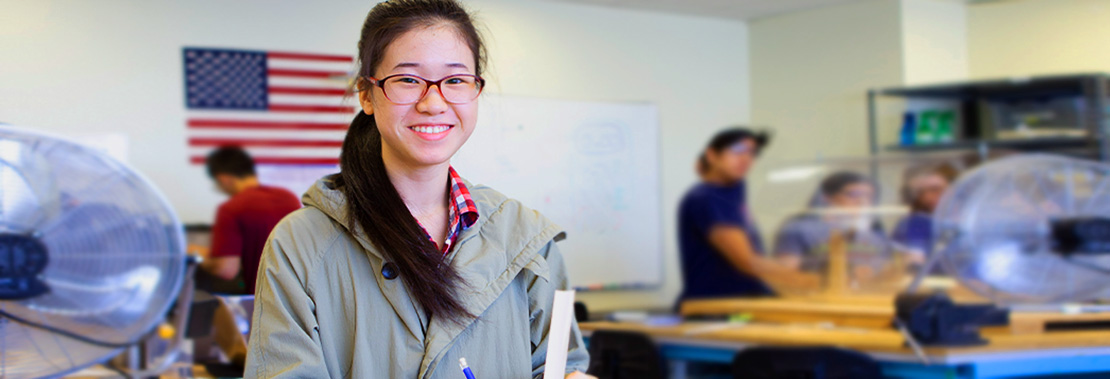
[323, 308]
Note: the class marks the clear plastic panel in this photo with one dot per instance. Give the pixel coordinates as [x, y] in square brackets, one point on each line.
[989, 236]
[852, 227]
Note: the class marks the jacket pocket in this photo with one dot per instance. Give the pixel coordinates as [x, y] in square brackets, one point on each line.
[538, 267]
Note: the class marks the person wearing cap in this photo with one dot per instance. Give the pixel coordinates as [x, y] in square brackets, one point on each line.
[720, 245]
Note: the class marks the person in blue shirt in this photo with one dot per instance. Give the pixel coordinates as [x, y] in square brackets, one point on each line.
[922, 190]
[720, 245]
[840, 204]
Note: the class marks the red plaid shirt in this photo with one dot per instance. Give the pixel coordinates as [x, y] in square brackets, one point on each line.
[461, 211]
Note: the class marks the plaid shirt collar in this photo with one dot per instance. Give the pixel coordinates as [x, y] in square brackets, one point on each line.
[462, 213]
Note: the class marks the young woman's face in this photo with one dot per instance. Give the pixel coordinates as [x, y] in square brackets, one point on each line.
[734, 162]
[855, 195]
[430, 131]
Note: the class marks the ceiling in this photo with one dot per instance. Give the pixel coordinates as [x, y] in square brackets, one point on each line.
[735, 9]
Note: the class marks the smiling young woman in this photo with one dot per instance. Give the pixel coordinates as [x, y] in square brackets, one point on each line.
[397, 267]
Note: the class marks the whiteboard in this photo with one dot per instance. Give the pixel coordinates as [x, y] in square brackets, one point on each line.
[591, 167]
[294, 178]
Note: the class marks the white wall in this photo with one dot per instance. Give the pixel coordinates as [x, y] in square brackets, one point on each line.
[115, 66]
[694, 69]
[934, 41]
[810, 74]
[1039, 37]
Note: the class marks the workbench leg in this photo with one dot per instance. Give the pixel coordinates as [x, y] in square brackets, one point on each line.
[678, 369]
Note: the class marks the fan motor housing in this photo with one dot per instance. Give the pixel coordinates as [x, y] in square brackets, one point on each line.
[22, 261]
[1081, 235]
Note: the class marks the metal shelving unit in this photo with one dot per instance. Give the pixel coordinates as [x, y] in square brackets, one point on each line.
[975, 137]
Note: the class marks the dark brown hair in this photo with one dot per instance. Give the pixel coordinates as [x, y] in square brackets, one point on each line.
[232, 160]
[945, 170]
[373, 203]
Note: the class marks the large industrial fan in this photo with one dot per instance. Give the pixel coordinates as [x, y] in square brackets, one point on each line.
[91, 256]
[1020, 230]
[1031, 228]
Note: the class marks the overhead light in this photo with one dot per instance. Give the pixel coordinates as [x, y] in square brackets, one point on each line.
[794, 174]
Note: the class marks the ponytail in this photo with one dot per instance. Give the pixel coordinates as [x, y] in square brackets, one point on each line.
[375, 206]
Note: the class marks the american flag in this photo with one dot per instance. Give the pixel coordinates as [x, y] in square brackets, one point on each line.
[282, 107]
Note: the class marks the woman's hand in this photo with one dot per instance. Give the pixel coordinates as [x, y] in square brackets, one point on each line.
[790, 282]
[579, 375]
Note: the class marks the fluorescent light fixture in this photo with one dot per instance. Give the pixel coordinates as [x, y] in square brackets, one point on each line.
[794, 174]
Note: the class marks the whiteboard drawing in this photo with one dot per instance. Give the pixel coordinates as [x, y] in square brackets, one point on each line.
[592, 167]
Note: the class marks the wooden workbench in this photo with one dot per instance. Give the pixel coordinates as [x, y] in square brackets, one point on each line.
[874, 313]
[861, 339]
[1006, 355]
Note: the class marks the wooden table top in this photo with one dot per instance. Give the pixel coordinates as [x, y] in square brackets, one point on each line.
[868, 312]
[866, 340]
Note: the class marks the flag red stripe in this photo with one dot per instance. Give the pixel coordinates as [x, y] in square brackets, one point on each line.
[305, 73]
[309, 57]
[276, 125]
[307, 91]
[310, 108]
[256, 142]
[281, 160]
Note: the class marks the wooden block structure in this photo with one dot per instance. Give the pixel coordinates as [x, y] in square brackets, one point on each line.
[837, 271]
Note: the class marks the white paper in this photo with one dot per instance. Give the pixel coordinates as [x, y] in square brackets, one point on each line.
[558, 336]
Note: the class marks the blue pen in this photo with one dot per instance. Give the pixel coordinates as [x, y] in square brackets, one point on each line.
[466, 369]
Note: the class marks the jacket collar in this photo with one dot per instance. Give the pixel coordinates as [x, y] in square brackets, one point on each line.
[505, 239]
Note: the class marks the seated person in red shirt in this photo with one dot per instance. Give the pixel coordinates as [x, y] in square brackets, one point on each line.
[244, 222]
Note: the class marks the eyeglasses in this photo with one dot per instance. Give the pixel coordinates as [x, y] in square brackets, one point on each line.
[740, 148]
[404, 89]
[860, 195]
